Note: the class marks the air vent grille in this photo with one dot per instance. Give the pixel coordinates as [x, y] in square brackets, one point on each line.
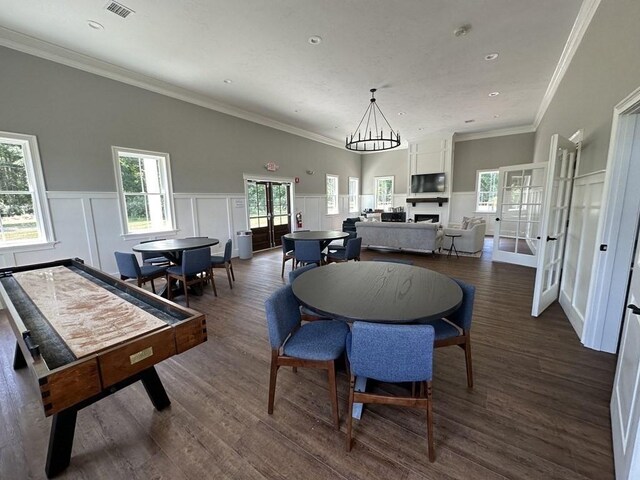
[119, 9]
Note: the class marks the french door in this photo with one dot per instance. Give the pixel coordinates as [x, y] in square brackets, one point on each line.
[269, 206]
[518, 213]
[555, 218]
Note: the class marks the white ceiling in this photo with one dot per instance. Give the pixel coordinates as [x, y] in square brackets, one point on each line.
[405, 48]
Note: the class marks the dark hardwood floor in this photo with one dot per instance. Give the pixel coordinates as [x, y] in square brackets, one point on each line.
[539, 408]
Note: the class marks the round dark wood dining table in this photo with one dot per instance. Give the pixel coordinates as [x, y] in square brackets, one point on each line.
[378, 292]
[172, 250]
[325, 237]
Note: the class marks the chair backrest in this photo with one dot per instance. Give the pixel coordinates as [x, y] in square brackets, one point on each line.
[148, 255]
[353, 248]
[346, 240]
[293, 274]
[227, 250]
[196, 260]
[128, 265]
[283, 315]
[287, 244]
[462, 316]
[391, 353]
[308, 251]
[392, 260]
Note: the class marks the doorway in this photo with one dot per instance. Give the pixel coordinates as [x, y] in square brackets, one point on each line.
[269, 210]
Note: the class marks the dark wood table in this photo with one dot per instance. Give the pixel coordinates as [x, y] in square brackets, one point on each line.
[377, 292]
[118, 333]
[172, 250]
[325, 237]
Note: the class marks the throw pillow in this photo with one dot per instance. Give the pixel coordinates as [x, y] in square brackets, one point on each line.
[465, 223]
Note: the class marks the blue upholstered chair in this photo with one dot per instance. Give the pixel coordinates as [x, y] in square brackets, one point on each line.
[129, 267]
[351, 252]
[392, 260]
[392, 353]
[306, 314]
[456, 328]
[288, 247]
[218, 261]
[307, 251]
[315, 344]
[195, 268]
[152, 258]
[337, 248]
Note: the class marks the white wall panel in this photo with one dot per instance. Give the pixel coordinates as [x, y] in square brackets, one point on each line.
[213, 220]
[463, 204]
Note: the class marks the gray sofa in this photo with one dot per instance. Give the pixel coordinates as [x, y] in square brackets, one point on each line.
[401, 236]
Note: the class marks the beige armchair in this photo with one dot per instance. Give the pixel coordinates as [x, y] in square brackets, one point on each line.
[471, 240]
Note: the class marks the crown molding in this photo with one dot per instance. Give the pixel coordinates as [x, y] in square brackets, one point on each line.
[49, 51]
[585, 15]
[462, 137]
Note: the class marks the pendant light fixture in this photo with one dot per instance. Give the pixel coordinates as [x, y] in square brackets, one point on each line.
[370, 137]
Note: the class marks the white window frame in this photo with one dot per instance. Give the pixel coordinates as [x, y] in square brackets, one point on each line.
[336, 210]
[478, 208]
[166, 160]
[377, 180]
[35, 178]
[354, 194]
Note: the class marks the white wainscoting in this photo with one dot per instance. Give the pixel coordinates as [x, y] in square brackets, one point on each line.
[580, 248]
[314, 212]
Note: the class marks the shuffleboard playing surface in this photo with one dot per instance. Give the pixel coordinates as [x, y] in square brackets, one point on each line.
[87, 317]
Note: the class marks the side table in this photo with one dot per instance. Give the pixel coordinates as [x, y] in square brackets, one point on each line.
[453, 237]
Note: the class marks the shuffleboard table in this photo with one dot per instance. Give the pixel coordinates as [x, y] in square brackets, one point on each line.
[85, 335]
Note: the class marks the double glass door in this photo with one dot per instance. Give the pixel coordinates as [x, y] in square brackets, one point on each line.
[269, 212]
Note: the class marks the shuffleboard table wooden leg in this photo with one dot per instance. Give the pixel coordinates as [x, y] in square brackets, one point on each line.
[18, 358]
[155, 389]
[63, 429]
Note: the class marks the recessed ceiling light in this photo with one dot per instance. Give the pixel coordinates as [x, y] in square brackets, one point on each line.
[462, 31]
[491, 56]
[420, 128]
[95, 25]
[494, 94]
[496, 116]
[471, 120]
[227, 80]
[315, 39]
[402, 113]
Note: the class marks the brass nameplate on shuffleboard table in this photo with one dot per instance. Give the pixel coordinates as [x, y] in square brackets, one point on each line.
[141, 355]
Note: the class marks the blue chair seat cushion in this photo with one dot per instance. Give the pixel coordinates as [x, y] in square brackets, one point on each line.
[150, 270]
[217, 260]
[149, 261]
[443, 329]
[339, 254]
[322, 340]
[177, 270]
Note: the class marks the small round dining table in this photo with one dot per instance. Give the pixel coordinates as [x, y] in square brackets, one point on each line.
[378, 292]
[325, 237]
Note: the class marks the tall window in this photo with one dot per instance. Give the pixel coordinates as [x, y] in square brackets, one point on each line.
[24, 216]
[354, 190]
[384, 193]
[332, 195]
[487, 190]
[144, 185]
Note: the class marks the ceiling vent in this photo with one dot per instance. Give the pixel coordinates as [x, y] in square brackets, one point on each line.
[119, 9]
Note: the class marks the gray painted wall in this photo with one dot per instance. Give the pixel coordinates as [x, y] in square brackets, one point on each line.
[604, 70]
[78, 116]
[485, 153]
[393, 162]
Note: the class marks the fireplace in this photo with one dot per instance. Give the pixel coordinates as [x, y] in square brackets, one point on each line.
[420, 217]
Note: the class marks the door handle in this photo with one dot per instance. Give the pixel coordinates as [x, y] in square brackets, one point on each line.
[551, 238]
[634, 309]
[497, 219]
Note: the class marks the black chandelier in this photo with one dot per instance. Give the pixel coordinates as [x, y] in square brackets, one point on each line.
[366, 138]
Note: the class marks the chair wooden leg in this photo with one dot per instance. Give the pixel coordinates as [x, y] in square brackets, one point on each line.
[186, 289]
[153, 287]
[213, 283]
[352, 386]
[467, 354]
[284, 260]
[169, 289]
[233, 275]
[294, 369]
[333, 393]
[229, 275]
[432, 451]
[272, 380]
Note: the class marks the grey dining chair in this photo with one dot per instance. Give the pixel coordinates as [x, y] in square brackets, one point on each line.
[195, 268]
[351, 252]
[224, 261]
[293, 344]
[308, 251]
[129, 267]
[288, 247]
[392, 353]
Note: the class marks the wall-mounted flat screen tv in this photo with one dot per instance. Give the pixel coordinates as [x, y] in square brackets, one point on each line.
[427, 183]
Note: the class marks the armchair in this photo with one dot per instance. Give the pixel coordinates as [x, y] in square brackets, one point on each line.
[471, 239]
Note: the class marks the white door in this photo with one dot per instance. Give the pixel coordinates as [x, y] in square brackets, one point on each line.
[518, 213]
[625, 400]
[555, 216]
